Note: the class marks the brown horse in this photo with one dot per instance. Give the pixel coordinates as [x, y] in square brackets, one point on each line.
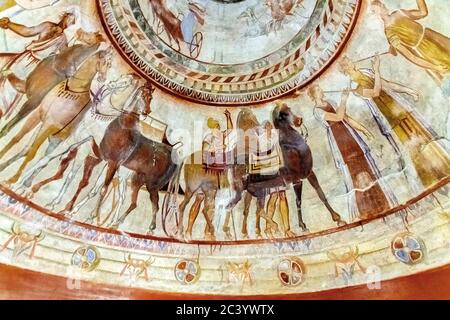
[62, 109]
[51, 71]
[123, 145]
[171, 24]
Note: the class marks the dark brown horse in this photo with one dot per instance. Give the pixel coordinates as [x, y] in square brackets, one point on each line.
[124, 145]
[298, 165]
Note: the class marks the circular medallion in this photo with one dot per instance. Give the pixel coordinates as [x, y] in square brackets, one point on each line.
[408, 248]
[229, 52]
[86, 258]
[291, 272]
[187, 272]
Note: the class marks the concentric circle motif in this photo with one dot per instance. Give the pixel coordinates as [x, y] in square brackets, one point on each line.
[187, 272]
[86, 258]
[408, 248]
[291, 272]
[238, 53]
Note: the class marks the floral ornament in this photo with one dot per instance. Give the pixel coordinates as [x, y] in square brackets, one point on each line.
[291, 272]
[187, 271]
[86, 258]
[408, 248]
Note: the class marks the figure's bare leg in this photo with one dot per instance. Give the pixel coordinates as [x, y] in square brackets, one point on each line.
[208, 212]
[315, 183]
[89, 165]
[247, 204]
[136, 184]
[42, 137]
[194, 212]
[285, 216]
[271, 208]
[260, 211]
[31, 123]
[59, 174]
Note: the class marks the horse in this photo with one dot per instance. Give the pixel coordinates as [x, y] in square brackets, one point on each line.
[171, 24]
[108, 102]
[123, 145]
[298, 160]
[298, 165]
[51, 71]
[62, 109]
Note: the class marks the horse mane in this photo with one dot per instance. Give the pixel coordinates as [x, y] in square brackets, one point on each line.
[276, 117]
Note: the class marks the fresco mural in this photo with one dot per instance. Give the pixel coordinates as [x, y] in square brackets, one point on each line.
[225, 147]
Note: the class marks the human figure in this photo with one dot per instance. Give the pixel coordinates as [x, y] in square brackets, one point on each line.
[422, 46]
[50, 39]
[400, 122]
[216, 143]
[367, 195]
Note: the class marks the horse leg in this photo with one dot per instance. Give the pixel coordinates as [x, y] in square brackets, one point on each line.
[18, 84]
[91, 194]
[63, 190]
[298, 188]
[45, 133]
[110, 173]
[247, 204]
[315, 183]
[29, 125]
[89, 165]
[122, 196]
[59, 174]
[154, 198]
[194, 212]
[136, 184]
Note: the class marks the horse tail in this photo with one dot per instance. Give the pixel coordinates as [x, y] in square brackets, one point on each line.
[172, 191]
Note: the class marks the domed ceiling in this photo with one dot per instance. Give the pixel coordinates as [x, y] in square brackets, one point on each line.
[232, 148]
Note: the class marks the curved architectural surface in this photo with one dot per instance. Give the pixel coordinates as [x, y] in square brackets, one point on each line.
[279, 148]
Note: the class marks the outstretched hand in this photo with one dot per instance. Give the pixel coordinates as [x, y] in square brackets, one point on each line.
[4, 22]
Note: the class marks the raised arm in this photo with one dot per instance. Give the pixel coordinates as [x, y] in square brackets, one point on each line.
[23, 30]
[376, 91]
[417, 60]
[419, 13]
[230, 125]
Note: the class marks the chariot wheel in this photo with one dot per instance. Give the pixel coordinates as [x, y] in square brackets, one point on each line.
[291, 272]
[159, 28]
[195, 46]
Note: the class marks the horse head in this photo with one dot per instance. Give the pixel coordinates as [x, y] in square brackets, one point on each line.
[89, 38]
[283, 117]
